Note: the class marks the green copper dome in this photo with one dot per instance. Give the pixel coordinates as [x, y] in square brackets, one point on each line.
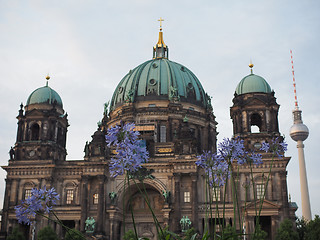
[159, 79]
[44, 95]
[253, 83]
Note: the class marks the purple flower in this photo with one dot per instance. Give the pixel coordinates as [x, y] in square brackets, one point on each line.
[276, 147]
[232, 149]
[215, 167]
[130, 154]
[255, 158]
[40, 201]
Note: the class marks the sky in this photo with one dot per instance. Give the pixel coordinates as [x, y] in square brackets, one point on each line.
[87, 47]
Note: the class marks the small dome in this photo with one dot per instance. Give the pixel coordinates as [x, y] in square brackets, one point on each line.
[159, 79]
[253, 83]
[44, 95]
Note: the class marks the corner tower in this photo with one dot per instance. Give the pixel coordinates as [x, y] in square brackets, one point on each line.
[42, 128]
[255, 120]
[255, 111]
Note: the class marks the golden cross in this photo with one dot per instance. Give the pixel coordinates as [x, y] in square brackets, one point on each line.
[160, 20]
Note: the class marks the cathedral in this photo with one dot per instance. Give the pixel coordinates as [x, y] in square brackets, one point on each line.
[175, 118]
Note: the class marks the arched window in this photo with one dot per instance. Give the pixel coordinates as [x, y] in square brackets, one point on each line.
[35, 130]
[255, 123]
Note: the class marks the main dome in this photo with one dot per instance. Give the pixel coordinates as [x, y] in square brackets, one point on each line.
[159, 79]
[253, 83]
[44, 95]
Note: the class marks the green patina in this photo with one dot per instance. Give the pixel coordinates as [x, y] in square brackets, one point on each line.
[155, 79]
[253, 83]
[44, 95]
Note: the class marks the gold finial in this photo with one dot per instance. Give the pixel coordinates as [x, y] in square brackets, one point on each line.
[160, 20]
[47, 77]
[251, 66]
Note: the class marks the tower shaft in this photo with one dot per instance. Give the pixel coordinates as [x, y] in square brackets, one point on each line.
[305, 201]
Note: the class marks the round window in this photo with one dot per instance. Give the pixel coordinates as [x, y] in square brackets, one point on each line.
[153, 82]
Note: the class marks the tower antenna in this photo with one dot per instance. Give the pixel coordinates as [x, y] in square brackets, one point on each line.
[294, 84]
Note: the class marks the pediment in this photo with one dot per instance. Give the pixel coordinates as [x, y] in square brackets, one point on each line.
[255, 102]
[34, 112]
[265, 205]
[268, 208]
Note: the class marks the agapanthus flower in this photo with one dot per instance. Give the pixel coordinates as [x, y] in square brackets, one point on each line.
[215, 167]
[255, 158]
[130, 152]
[276, 147]
[232, 149]
[40, 201]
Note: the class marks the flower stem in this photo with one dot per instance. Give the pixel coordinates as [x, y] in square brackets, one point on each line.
[131, 210]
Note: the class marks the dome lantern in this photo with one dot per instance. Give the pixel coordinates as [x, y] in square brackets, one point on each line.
[160, 50]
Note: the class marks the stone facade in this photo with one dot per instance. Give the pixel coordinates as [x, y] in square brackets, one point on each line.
[175, 132]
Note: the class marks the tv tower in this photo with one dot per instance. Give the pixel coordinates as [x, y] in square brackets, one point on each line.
[299, 132]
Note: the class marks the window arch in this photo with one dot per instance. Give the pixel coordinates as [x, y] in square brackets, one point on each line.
[255, 123]
[35, 132]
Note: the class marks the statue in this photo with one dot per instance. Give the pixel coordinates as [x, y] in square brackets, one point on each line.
[129, 97]
[105, 111]
[173, 95]
[113, 197]
[86, 149]
[185, 119]
[90, 224]
[11, 153]
[209, 104]
[99, 123]
[166, 195]
[185, 223]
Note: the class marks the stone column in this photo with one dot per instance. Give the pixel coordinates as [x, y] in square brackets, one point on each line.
[177, 214]
[55, 138]
[5, 219]
[277, 189]
[101, 203]
[205, 136]
[242, 187]
[274, 226]
[284, 191]
[194, 200]
[112, 211]
[84, 202]
[77, 225]
[15, 192]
